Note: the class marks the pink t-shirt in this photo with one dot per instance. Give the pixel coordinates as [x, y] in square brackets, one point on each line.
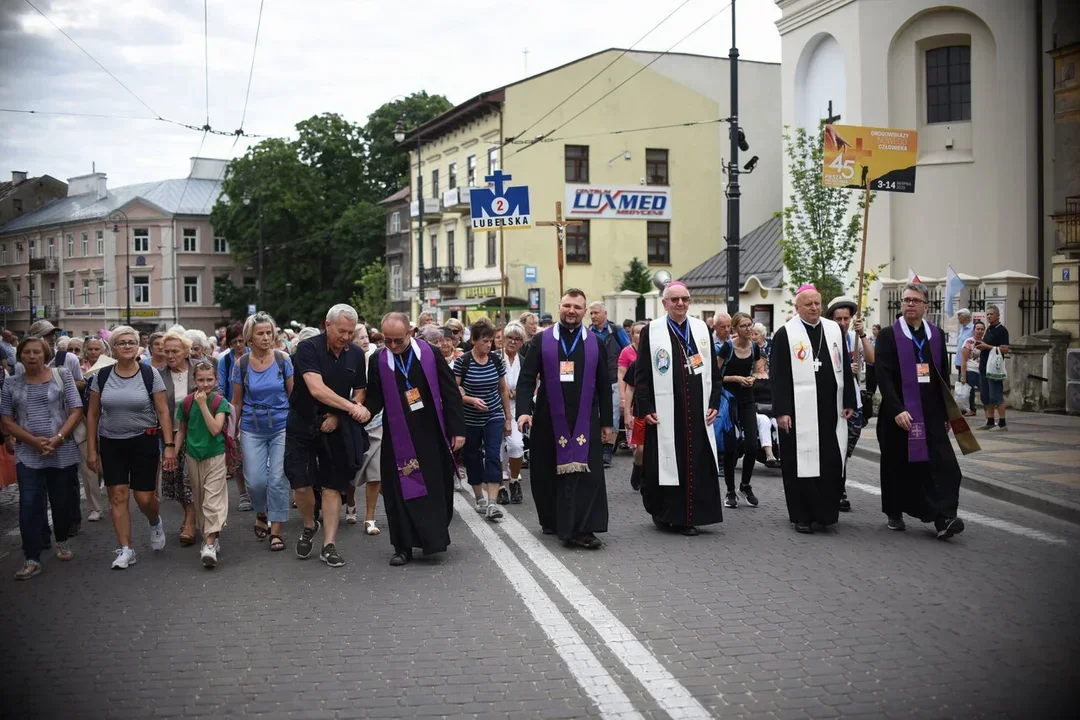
[627, 356]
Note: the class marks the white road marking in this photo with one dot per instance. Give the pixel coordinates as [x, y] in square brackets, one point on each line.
[668, 692]
[968, 516]
[586, 668]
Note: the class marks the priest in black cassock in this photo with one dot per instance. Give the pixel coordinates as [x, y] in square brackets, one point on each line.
[813, 394]
[422, 420]
[919, 472]
[571, 421]
[675, 394]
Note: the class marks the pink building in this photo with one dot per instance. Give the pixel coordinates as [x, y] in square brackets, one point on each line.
[71, 259]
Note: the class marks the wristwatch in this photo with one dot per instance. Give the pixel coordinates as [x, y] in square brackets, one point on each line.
[61, 436]
[172, 444]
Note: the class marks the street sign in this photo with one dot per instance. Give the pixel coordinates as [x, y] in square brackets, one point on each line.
[857, 157]
[530, 273]
[505, 208]
[251, 309]
[1065, 275]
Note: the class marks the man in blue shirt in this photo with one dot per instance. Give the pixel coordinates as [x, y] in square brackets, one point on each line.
[614, 339]
[965, 330]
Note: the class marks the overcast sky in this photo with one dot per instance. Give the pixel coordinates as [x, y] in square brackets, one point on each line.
[344, 56]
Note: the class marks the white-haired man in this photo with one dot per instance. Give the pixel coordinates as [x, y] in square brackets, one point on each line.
[321, 447]
[614, 339]
[965, 329]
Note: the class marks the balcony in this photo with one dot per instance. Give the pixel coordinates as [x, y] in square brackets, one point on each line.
[441, 276]
[45, 265]
[456, 200]
[1067, 230]
[432, 210]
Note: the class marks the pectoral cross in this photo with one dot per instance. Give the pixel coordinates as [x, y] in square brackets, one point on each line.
[560, 226]
[817, 364]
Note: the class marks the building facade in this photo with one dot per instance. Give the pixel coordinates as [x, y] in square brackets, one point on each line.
[399, 284]
[21, 194]
[87, 260]
[658, 137]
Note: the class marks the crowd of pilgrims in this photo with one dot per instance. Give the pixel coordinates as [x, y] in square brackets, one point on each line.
[414, 411]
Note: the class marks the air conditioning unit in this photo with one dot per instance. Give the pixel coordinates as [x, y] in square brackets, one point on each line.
[1072, 381]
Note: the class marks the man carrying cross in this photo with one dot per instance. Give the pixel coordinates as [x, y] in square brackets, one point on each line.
[813, 395]
[572, 420]
[919, 472]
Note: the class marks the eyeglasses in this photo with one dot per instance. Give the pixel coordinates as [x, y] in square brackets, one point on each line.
[125, 343]
[395, 341]
[912, 301]
[746, 327]
[681, 299]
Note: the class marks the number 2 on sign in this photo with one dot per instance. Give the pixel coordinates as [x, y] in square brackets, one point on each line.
[846, 168]
[500, 206]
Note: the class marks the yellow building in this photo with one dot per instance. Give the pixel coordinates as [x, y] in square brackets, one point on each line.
[641, 163]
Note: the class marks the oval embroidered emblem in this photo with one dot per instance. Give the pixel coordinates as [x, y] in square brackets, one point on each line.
[663, 361]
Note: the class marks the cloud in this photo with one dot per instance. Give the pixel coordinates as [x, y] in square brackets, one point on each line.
[345, 56]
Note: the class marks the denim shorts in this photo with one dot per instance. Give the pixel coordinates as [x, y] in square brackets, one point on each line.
[992, 391]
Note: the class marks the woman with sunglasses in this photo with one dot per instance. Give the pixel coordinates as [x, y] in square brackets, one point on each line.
[741, 365]
[513, 453]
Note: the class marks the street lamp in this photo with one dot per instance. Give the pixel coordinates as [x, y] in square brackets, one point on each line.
[116, 217]
[247, 201]
[399, 136]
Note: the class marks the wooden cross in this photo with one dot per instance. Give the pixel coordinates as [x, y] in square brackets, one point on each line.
[560, 226]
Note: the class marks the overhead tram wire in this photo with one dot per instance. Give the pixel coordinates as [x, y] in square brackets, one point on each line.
[609, 92]
[206, 58]
[602, 70]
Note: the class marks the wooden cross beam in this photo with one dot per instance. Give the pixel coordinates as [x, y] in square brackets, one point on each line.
[560, 226]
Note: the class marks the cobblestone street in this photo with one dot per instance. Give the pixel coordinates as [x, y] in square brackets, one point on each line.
[748, 619]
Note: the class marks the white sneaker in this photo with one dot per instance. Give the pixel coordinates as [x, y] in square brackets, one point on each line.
[157, 535]
[482, 505]
[124, 558]
[94, 516]
[494, 512]
[208, 555]
[350, 514]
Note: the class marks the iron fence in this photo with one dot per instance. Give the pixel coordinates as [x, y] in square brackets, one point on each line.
[1036, 306]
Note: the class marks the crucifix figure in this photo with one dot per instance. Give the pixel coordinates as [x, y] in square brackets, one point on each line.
[560, 226]
[817, 364]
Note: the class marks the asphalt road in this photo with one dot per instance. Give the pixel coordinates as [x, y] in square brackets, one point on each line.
[749, 619]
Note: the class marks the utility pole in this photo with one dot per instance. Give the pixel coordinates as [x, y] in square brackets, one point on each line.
[733, 192]
[420, 220]
[262, 304]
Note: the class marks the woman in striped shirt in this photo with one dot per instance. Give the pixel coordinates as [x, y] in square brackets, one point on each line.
[482, 378]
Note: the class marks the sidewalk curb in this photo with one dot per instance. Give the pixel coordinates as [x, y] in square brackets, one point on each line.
[1030, 499]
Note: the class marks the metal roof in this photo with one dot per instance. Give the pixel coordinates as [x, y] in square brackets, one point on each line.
[760, 256]
[197, 195]
[400, 196]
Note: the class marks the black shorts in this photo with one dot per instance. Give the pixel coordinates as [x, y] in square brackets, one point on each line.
[130, 461]
[309, 463]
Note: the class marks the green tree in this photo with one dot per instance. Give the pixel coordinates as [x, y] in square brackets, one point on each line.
[637, 277]
[822, 230]
[388, 160]
[371, 297]
[233, 299]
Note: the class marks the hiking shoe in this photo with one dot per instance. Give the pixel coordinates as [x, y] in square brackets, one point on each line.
[329, 555]
[493, 512]
[29, 569]
[124, 558]
[516, 495]
[748, 493]
[63, 552]
[157, 535]
[208, 555]
[947, 527]
[306, 542]
[845, 504]
[503, 498]
[350, 514]
[732, 500]
[245, 503]
[896, 522]
[805, 528]
[482, 505]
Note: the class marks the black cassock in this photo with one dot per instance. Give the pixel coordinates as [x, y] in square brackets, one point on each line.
[810, 499]
[572, 504]
[696, 500]
[422, 522]
[926, 490]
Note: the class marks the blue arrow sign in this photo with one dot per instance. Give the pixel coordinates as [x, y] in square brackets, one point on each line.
[505, 208]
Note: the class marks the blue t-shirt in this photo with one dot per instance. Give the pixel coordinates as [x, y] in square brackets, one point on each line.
[266, 404]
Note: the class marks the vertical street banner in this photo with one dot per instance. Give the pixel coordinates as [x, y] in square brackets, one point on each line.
[857, 157]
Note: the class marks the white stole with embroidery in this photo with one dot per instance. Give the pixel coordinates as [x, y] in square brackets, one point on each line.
[808, 460]
[663, 368]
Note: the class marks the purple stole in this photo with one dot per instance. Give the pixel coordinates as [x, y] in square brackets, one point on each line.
[408, 466]
[918, 450]
[571, 448]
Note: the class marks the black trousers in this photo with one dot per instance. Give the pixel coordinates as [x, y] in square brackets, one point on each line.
[871, 379]
[747, 419]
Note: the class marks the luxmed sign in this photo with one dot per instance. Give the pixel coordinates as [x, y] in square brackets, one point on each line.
[632, 202]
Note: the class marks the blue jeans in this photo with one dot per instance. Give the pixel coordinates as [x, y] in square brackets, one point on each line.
[483, 451]
[34, 486]
[264, 471]
[975, 381]
[992, 391]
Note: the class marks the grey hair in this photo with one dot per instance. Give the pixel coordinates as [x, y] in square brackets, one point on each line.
[919, 288]
[120, 330]
[963, 311]
[598, 305]
[304, 334]
[259, 318]
[63, 343]
[760, 327]
[341, 310]
[197, 336]
[427, 314]
[515, 329]
[432, 333]
[995, 308]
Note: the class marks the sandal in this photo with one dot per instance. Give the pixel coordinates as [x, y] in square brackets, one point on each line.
[187, 540]
[261, 531]
[371, 529]
[276, 543]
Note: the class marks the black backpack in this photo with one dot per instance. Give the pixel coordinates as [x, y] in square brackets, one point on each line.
[245, 360]
[146, 371]
[467, 358]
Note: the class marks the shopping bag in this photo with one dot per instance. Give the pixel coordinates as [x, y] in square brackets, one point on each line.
[995, 365]
[962, 392]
